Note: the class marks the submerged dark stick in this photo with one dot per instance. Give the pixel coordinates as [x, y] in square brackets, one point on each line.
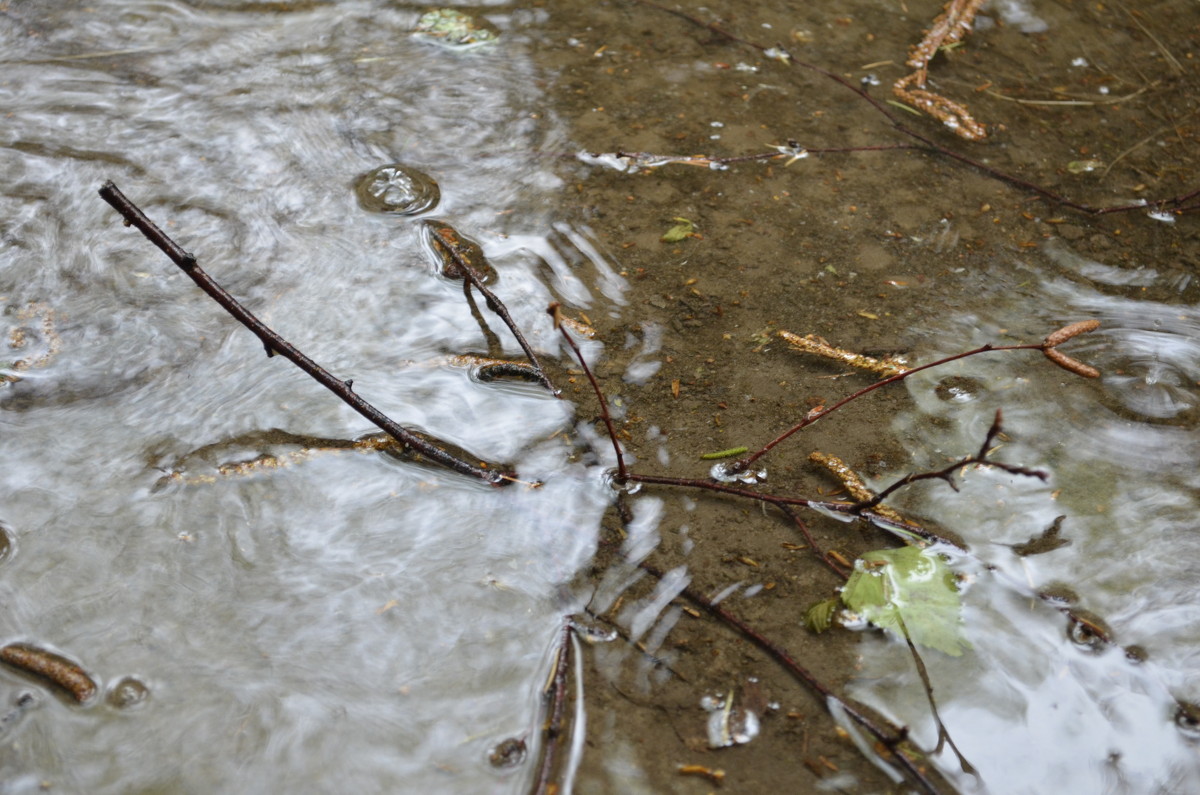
[471, 277]
[890, 739]
[947, 473]
[552, 730]
[276, 344]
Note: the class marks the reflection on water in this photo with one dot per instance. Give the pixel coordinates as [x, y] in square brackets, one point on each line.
[351, 622]
[1121, 453]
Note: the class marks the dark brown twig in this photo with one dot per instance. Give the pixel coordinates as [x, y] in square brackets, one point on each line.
[947, 474]
[275, 344]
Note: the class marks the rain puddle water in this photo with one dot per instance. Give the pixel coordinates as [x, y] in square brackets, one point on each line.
[279, 619]
[273, 618]
[1097, 717]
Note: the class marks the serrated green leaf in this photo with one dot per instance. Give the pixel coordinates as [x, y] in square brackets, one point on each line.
[820, 616]
[910, 584]
[682, 230]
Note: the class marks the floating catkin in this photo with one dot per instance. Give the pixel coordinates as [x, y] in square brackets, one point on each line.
[51, 667]
[1070, 330]
[1067, 363]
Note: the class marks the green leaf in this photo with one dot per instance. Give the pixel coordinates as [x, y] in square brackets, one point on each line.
[682, 230]
[820, 616]
[910, 584]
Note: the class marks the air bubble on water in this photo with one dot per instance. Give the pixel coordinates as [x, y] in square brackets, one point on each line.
[723, 472]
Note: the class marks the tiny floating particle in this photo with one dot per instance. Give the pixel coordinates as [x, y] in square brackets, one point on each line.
[52, 667]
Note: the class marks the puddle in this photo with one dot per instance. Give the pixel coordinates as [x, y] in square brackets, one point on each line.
[265, 605]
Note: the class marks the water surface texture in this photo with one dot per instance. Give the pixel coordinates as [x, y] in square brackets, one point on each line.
[265, 607]
[333, 620]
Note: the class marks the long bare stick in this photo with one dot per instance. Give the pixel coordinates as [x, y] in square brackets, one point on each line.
[275, 344]
[742, 464]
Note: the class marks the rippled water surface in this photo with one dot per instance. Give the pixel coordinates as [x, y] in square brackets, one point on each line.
[1121, 453]
[346, 621]
[267, 608]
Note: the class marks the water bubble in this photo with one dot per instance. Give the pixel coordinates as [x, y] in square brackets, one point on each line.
[958, 389]
[397, 189]
[726, 473]
[1087, 632]
[1187, 720]
[127, 693]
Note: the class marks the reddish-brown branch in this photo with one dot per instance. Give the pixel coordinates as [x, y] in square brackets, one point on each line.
[622, 473]
[742, 464]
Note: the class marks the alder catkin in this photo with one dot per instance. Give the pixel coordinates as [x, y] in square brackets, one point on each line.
[1070, 330]
[1067, 363]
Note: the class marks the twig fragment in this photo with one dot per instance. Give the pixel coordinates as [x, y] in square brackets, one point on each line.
[811, 343]
[51, 667]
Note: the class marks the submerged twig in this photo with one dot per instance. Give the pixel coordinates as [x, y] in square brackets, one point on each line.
[447, 241]
[944, 737]
[947, 473]
[552, 730]
[891, 737]
[275, 344]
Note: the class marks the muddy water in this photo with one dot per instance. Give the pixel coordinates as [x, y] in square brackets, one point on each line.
[330, 619]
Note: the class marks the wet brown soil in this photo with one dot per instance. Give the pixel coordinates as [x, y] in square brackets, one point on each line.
[862, 248]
